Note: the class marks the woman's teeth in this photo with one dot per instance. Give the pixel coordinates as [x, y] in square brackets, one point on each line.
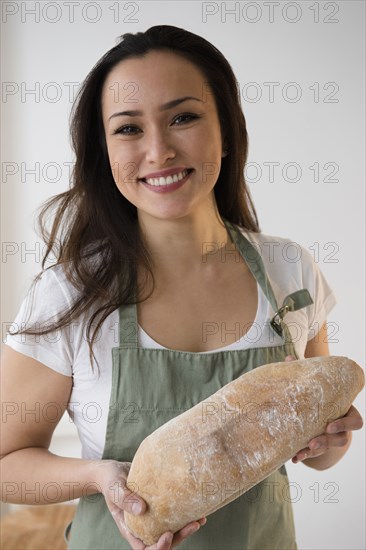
[166, 181]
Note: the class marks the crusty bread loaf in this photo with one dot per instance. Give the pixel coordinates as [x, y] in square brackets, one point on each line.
[236, 438]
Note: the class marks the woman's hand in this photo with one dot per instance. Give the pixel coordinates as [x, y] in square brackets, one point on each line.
[337, 434]
[111, 479]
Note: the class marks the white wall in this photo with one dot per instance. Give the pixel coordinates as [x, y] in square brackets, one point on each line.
[309, 51]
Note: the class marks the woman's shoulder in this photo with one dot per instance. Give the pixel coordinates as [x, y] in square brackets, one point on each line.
[278, 250]
[49, 294]
[57, 275]
[66, 276]
[264, 238]
[288, 264]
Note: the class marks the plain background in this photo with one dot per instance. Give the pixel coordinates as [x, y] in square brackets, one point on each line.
[300, 67]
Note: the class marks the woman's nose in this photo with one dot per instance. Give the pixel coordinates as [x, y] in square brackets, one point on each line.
[159, 148]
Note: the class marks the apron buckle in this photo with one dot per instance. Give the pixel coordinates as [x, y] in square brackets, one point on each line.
[276, 321]
[292, 302]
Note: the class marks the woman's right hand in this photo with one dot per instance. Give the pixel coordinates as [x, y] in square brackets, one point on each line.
[111, 479]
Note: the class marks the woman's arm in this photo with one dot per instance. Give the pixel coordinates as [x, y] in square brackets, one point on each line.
[34, 398]
[327, 449]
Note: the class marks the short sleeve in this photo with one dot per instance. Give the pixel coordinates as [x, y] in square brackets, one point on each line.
[322, 294]
[44, 303]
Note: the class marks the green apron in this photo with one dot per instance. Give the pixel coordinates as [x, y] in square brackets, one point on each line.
[151, 386]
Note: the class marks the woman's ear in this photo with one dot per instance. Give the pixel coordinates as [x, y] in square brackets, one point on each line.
[225, 148]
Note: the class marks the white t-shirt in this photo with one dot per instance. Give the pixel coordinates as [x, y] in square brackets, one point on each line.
[289, 267]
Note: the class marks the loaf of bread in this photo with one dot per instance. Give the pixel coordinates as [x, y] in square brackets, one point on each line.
[236, 438]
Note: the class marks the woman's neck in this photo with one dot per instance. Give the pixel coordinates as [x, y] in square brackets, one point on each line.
[192, 244]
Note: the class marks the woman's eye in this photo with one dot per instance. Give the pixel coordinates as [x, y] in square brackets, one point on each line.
[187, 117]
[123, 128]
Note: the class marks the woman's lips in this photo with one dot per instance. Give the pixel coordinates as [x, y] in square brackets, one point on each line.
[170, 186]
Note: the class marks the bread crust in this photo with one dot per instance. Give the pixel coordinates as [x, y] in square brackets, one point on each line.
[236, 438]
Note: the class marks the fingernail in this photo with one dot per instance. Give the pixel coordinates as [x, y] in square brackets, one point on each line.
[136, 508]
[315, 445]
[332, 429]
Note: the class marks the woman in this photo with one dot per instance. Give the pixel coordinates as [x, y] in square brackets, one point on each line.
[161, 253]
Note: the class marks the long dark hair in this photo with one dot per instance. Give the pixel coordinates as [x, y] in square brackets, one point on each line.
[95, 234]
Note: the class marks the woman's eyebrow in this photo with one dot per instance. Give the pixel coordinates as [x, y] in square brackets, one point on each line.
[163, 107]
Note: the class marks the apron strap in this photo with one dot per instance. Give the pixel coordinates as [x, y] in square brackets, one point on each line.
[128, 328]
[292, 302]
[254, 262]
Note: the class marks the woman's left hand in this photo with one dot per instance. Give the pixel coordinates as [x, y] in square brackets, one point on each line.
[337, 434]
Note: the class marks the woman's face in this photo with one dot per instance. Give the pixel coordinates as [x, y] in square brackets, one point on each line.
[153, 144]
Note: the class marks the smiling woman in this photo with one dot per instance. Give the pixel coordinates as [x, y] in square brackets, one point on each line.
[157, 248]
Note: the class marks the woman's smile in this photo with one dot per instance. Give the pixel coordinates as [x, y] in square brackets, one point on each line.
[169, 183]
